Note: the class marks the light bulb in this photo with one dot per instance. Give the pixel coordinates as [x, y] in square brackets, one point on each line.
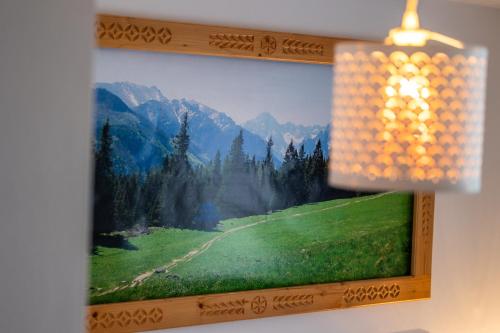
[410, 33]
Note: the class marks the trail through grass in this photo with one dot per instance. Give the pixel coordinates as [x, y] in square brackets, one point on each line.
[330, 241]
[112, 267]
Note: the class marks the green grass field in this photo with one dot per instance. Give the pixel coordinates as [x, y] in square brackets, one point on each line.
[338, 240]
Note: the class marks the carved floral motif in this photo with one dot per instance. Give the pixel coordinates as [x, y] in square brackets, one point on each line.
[223, 308]
[132, 32]
[268, 44]
[259, 304]
[294, 46]
[292, 301]
[232, 41]
[371, 293]
[138, 317]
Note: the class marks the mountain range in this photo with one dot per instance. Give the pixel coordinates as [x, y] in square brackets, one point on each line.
[143, 122]
[133, 94]
[265, 125]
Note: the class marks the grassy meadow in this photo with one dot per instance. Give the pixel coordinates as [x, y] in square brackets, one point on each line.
[337, 240]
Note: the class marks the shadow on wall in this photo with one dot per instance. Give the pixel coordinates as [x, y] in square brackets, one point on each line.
[418, 330]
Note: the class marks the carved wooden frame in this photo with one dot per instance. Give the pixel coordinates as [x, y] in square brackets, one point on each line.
[162, 36]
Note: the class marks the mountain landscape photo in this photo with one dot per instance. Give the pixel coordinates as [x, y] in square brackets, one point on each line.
[206, 183]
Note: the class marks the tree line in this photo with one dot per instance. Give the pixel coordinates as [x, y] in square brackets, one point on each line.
[181, 195]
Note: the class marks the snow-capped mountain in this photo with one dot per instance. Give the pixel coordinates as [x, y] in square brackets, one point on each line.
[137, 144]
[265, 125]
[324, 136]
[143, 134]
[133, 94]
[209, 129]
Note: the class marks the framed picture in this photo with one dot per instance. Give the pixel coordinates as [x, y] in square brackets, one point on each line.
[210, 195]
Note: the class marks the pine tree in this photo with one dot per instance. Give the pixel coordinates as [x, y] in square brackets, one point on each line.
[104, 184]
[236, 196]
[181, 191]
[217, 171]
[291, 155]
[236, 154]
[268, 161]
[318, 153]
[151, 196]
[304, 192]
[254, 170]
[126, 201]
[291, 180]
[268, 194]
[317, 174]
[302, 154]
[181, 141]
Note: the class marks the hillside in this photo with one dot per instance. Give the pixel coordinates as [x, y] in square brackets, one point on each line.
[338, 240]
[137, 143]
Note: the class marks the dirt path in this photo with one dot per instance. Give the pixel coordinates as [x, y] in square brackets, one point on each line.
[205, 246]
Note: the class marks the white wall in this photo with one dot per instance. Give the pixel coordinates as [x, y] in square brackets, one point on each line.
[466, 295]
[45, 62]
[44, 144]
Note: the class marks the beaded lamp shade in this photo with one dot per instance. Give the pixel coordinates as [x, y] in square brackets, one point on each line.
[407, 117]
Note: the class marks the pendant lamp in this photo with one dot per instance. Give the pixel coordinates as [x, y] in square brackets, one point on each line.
[408, 114]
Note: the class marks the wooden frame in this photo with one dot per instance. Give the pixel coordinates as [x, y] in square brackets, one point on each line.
[152, 35]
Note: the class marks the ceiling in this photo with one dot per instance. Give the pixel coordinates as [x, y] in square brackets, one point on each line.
[489, 3]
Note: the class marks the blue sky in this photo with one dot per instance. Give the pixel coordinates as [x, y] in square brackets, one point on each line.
[300, 93]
